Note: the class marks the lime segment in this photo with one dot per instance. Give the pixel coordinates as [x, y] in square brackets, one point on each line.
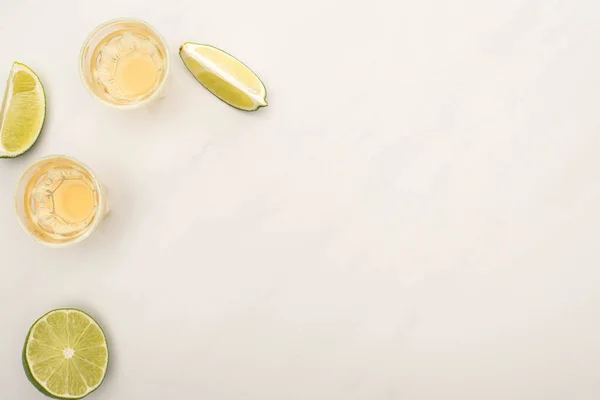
[65, 354]
[23, 112]
[224, 76]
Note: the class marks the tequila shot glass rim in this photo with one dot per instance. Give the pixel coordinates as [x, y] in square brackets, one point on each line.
[99, 212]
[157, 92]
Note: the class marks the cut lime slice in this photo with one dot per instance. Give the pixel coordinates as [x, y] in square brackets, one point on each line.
[65, 354]
[23, 111]
[224, 76]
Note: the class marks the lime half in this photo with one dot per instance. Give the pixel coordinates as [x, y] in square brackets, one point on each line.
[224, 76]
[65, 354]
[23, 111]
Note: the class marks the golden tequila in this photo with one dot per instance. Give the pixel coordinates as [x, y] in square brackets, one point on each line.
[124, 63]
[59, 201]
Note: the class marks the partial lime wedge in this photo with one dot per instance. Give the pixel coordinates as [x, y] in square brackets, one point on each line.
[23, 111]
[65, 354]
[224, 76]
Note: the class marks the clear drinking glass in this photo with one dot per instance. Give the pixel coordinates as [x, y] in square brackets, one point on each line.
[59, 201]
[125, 64]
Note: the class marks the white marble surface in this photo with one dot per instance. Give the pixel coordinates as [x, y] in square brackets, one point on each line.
[415, 216]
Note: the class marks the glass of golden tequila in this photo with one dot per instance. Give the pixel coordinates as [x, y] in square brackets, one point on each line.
[59, 201]
[124, 63]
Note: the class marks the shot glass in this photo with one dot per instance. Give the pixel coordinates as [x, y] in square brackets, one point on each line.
[59, 201]
[125, 63]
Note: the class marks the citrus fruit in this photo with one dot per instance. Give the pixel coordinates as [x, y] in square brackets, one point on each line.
[224, 76]
[23, 111]
[65, 354]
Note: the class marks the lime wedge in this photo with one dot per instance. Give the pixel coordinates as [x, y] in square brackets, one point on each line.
[23, 111]
[65, 354]
[224, 76]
